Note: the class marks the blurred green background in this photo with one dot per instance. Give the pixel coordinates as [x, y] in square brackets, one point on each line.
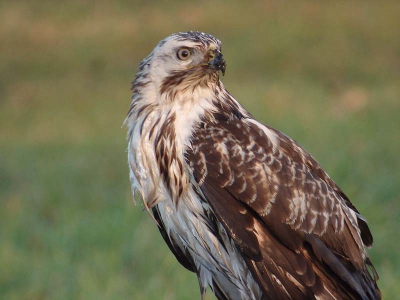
[327, 73]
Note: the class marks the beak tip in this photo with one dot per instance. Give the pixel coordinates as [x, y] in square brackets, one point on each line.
[219, 63]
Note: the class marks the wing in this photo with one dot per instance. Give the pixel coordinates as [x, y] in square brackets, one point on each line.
[299, 234]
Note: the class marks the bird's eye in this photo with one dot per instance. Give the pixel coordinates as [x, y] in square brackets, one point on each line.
[183, 53]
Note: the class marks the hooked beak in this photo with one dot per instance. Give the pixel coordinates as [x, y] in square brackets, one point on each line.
[217, 61]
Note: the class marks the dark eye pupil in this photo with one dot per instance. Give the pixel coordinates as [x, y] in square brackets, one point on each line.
[183, 54]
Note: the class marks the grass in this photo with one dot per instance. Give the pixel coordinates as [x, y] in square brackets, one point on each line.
[327, 74]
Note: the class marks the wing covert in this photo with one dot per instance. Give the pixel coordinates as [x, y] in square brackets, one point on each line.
[247, 170]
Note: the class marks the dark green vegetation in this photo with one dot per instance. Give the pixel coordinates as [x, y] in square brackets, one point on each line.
[326, 74]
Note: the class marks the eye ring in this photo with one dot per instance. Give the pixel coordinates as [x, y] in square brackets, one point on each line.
[183, 54]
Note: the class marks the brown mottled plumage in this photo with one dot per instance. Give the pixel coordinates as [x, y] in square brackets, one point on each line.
[239, 203]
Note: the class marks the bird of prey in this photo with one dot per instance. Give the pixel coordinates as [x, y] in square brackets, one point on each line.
[239, 203]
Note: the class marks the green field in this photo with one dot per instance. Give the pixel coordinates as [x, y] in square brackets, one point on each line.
[325, 73]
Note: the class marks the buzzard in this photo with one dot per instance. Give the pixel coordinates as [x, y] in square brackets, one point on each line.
[239, 203]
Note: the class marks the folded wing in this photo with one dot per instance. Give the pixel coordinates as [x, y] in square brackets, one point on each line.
[299, 234]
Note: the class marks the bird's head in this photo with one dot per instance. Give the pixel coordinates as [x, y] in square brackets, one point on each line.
[184, 61]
